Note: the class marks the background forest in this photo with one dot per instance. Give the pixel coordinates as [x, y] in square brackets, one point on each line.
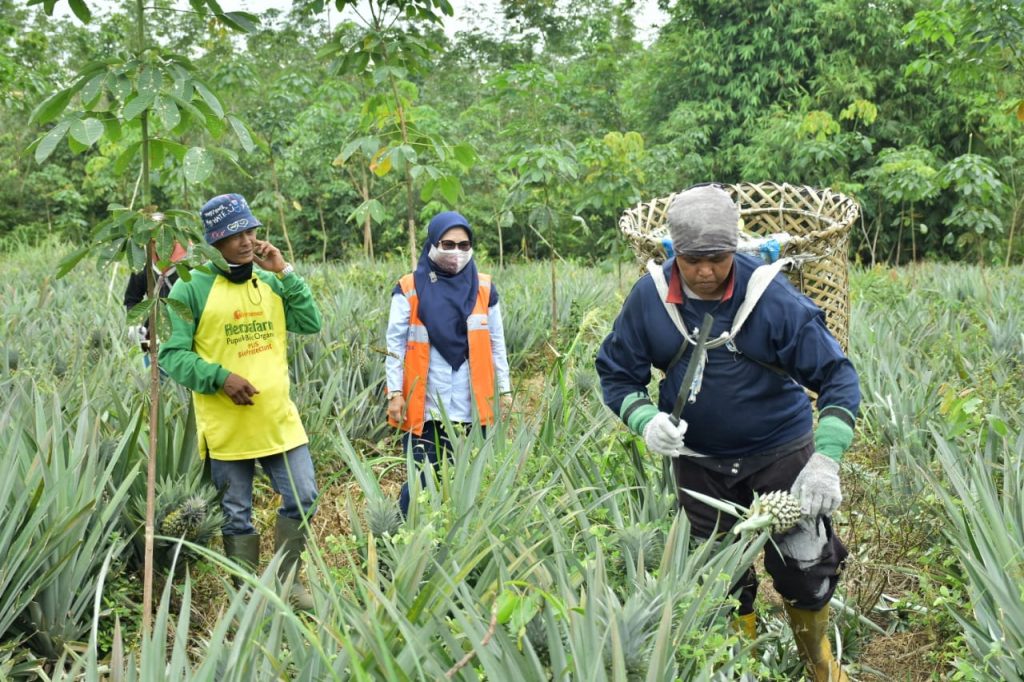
[542, 123]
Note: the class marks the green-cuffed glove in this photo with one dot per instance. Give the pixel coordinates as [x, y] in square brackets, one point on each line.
[817, 485]
[661, 435]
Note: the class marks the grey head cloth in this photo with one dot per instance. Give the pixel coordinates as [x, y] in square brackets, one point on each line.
[703, 220]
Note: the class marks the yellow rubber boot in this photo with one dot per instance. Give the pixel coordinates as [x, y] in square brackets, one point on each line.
[810, 630]
[746, 625]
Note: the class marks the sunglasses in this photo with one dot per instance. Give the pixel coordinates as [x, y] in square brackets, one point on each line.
[449, 245]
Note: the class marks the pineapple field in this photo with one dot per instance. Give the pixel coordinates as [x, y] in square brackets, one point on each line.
[549, 549]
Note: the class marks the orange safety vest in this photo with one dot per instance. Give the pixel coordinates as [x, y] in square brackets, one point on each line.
[417, 358]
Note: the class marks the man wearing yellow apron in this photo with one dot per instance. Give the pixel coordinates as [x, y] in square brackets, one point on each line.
[233, 356]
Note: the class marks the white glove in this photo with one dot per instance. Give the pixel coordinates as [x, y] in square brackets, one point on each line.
[137, 333]
[817, 486]
[663, 437]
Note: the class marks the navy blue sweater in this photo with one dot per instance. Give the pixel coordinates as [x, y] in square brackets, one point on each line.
[743, 407]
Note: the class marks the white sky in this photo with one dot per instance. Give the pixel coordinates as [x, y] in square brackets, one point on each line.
[648, 16]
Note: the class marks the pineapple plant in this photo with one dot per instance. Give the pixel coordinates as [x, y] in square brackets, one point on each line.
[186, 520]
[382, 521]
[186, 509]
[537, 633]
[641, 539]
[8, 358]
[636, 621]
[382, 516]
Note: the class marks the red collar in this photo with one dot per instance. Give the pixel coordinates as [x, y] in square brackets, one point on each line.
[675, 286]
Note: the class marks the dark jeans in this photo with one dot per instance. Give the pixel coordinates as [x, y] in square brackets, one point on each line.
[291, 475]
[809, 585]
[426, 447]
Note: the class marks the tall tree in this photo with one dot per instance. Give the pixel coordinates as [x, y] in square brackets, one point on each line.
[389, 48]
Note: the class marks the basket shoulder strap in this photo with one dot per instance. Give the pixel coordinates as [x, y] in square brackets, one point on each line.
[677, 357]
[661, 284]
[758, 284]
[760, 279]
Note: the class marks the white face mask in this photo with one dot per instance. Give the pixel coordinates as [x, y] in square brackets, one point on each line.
[452, 261]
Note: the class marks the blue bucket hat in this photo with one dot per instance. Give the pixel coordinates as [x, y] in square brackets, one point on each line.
[226, 215]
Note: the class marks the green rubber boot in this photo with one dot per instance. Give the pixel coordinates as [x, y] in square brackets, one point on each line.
[244, 550]
[290, 538]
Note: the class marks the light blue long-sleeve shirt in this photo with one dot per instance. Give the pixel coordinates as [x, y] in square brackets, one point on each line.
[447, 389]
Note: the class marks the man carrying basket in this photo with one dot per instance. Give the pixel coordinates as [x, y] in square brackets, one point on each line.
[749, 425]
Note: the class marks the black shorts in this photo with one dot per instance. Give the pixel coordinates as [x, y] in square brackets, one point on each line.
[806, 587]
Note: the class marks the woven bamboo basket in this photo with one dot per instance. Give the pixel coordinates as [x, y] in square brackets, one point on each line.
[817, 224]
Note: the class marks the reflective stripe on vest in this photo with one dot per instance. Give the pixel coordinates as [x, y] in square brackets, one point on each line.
[417, 358]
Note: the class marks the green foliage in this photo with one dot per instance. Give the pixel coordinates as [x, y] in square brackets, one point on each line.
[121, 594]
[980, 193]
[904, 178]
[541, 175]
[519, 511]
[942, 403]
[983, 507]
[77, 450]
[75, 523]
[110, 95]
[395, 134]
[445, 572]
[820, 92]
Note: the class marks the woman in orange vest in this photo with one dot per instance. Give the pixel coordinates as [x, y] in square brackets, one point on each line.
[446, 344]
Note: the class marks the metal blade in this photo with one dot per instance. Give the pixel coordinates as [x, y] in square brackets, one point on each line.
[691, 366]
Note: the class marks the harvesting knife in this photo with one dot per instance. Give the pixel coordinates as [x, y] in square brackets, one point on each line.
[691, 366]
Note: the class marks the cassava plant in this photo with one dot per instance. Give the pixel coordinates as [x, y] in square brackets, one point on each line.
[148, 95]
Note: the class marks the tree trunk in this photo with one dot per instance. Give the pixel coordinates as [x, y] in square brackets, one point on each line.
[154, 405]
[1014, 219]
[501, 248]
[410, 212]
[554, 298]
[899, 237]
[913, 237]
[364, 189]
[154, 370]
[410, 218]
[280, 209]
[323, 229]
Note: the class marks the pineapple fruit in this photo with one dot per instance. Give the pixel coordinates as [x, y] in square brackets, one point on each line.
[184, 520]
[777, 510]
